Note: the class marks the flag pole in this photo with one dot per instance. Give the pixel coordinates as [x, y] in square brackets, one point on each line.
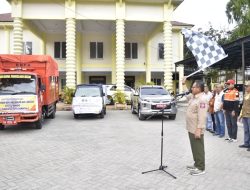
[194, 73]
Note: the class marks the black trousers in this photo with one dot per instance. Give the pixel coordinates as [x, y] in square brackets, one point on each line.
[232, 126]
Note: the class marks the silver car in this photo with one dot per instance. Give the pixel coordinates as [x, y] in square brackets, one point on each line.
[152, 100]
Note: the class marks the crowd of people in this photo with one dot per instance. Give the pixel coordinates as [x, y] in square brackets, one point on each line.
[214, 111]
[223, 112]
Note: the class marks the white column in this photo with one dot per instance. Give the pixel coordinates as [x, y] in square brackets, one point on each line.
[113, 53]
[167, 31]
[18, 36]
[70, 52]
[181, 75]
[120, 53]
[7, 40]
[79, 42]
[148, 61]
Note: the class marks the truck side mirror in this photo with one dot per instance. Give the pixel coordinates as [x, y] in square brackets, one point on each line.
[43, 88]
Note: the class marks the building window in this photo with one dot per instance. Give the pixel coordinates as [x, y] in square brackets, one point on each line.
[63, 83]
[60, 50]
[156, 81]
[131, 50]
[160, 51]
[96, 50]
[27, 47]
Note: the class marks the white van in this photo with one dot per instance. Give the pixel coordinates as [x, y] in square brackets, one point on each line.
[89, 99]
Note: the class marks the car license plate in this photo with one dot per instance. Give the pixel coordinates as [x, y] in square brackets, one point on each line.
[9, 118]
[161, 106]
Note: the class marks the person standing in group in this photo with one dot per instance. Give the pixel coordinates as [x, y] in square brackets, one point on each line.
[245, 116]
[195, 123]
[231, 108]
[209, 122]
[218, 112]
[211, 109]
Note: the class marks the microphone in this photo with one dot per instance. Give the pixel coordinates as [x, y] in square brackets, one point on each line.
[183, 94]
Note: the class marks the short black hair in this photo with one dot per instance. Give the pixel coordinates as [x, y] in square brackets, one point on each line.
[200, 84]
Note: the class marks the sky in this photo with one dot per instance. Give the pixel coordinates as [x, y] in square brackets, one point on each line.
[197, 12]
[201, 12]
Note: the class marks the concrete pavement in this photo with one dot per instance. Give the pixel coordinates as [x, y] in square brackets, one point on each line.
[111, 153]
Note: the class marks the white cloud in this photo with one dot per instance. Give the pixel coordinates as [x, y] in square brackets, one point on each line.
[201, 12]
[4, 7]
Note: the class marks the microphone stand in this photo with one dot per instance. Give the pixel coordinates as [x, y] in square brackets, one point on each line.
[161, 167]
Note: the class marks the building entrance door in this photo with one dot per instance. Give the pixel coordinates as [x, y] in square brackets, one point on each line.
[97, 80]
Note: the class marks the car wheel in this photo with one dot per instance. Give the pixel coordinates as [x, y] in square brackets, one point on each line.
[101, 115]
[76, 116]
[172, 117]
[2, 127]
[111, 101]
[141, 116]
[133, 109]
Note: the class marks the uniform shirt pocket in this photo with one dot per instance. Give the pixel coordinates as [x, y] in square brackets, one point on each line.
[195, 108]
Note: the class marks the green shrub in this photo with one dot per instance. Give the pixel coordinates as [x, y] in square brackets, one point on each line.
[119, 97]
[68, 95]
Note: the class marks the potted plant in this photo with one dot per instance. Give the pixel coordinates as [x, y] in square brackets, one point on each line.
[120, 100]
[67, 97]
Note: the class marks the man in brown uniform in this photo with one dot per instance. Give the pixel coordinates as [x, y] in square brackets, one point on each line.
[195, 123]
[245, 115]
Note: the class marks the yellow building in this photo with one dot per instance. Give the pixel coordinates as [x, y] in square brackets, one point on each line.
[99, 41]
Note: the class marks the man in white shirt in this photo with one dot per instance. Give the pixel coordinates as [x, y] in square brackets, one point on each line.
[209, 122]
[218, 112]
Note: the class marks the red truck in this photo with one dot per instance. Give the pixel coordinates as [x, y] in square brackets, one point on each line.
[29, 89]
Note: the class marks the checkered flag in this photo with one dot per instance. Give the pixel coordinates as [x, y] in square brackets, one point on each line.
[205, 51]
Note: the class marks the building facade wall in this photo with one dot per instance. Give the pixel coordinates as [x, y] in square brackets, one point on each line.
[147, 63]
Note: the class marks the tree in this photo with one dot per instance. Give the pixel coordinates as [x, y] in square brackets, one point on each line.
[239, 11]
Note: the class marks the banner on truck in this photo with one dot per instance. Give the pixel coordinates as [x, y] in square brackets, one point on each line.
[18, 104]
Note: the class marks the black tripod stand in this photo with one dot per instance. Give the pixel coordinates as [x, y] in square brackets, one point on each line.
[161, 167]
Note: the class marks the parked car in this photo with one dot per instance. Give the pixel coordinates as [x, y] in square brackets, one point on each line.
[111, 89]
[89, 99]
[149, 100]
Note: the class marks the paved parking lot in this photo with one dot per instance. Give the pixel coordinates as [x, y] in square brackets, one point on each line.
[111, 153]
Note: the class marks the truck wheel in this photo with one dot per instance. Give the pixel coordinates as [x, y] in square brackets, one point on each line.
[76, 116]
[141, 116]
[132, 109]
[172, 117]
[53, 115]
[2, 127]
[38, 124]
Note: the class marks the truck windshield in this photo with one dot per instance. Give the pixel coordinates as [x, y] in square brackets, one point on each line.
[17, 84]
[88, 91]
[153, 91]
